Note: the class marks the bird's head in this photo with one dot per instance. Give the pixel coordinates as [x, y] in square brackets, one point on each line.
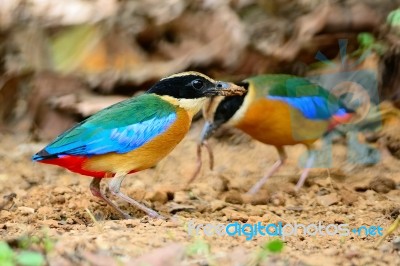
[190, 90]
[220, 110]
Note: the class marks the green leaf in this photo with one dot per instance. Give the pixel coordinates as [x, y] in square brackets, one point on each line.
[48, 244]
[274, 246]
[25, 242]
[30, 258]
[393, 19]
[199, 247]
[365, 39]
[6, 254]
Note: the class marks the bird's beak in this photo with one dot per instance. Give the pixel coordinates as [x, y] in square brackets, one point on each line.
[225, 89]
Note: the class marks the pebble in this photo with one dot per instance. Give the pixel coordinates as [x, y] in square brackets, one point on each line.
[385, 248]
[45, 210]
[348, 197]
[60, 199]
[234, 215]
[352, 253]
[382, 185]
[323, 191]
[328, 200]
[158, 196]
[5, 214]
[217, 205]
[72, 205]
[50, 223]
[278, 199]
[396, 243]
[219, 184]
[233, 197]
[181, 197]
[131, 222]
[61, 190]
[156, 222]
[330, 252]
[26, 210]
[257, 199]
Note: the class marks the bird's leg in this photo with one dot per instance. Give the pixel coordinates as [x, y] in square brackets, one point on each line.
[198, 167]
[96, 191]
[271, 171]
[304, 174]
[199, 161]
[115, 185]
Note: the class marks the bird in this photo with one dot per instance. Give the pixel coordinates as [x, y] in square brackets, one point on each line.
[280, 110]
[134, 134]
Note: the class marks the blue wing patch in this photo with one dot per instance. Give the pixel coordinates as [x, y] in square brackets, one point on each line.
[97, 140]
[312, 107]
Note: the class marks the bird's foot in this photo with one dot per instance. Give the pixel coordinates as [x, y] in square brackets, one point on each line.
[150, 212]
[95, 189]
[264, 179]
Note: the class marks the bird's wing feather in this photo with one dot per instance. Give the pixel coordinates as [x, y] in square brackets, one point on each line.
[120, 128]
[313, 101]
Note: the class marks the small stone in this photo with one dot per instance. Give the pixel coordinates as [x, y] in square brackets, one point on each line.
[60, 199]
[72, 205]
[5, 214]
[257, 199]
[172, 224]
[278, 199]
[385, 248]
[217, 205]
[156, 222]
[330, 252]
[181, 197]
[234, 198]
[382, 185]
[255, 219]
[62, 190]
[26, 210]
[328, 200]
[396, 243]
[45, 211]
[219, 184]
[50, 223]
[323, 191]
[353, 252]
[130, 223]
[348, 197]
[175, 207]
[158, 196]
[234, 215]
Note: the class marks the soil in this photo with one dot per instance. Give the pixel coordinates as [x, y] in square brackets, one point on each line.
[54, 202]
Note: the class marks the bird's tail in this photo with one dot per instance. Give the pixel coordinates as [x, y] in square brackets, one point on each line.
[43, 155]
[354, 103]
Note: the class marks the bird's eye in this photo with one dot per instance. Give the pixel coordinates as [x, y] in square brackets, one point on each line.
[197, 84]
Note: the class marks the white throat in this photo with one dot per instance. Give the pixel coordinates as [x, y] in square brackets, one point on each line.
[192, 106]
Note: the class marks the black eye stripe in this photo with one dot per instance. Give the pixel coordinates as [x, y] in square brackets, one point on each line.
[182, 87]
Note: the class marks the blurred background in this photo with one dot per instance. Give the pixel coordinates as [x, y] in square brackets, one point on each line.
[61, 61]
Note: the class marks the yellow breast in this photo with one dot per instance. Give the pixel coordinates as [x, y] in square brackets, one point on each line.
[147, 155]
[277, 123]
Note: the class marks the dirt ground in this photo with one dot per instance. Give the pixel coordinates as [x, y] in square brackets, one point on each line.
[53, 202]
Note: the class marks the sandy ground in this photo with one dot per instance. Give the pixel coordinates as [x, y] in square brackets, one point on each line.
[55, 203]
